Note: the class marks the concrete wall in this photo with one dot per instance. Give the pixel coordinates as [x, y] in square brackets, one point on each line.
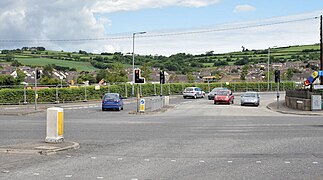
[298, 103]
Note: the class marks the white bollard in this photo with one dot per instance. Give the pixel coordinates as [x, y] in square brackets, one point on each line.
[55, 125]
[166, 103]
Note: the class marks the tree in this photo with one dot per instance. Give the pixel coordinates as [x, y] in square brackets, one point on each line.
[146, 71]
[7, 80]
[116, 73]
[190, 77]
[47, 70]
[244, 72]
[16, 63]
[20, 76]
[85, 77]
[289, 74]
[49, 81]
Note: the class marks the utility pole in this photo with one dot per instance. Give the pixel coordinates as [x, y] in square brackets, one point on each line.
[321, 47]
[35, 90]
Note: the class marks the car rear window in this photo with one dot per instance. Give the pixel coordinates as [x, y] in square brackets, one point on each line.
[223, 93]
[249, 95]
[110, 96]
[189, 89]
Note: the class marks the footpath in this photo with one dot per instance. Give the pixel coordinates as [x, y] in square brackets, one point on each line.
[286, 110]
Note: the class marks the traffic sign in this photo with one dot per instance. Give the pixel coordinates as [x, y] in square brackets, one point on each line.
[321, 73]
[142, 105]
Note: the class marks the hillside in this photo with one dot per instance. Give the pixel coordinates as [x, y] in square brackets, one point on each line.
[182, 63]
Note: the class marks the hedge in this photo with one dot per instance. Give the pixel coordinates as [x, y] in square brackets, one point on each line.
[16, 96]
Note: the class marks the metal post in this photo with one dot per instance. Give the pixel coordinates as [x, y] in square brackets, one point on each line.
[278, 95]
[140, 90]
[57, 101]
[155, 89]
[138, 96]
[85, 98]
[168, 88]
[161, 89]
[61, 82]
[268, 68]
[208, 86]
[126, 90]
[35, 89]
[133, 64]
[25, 95]
[321, 47]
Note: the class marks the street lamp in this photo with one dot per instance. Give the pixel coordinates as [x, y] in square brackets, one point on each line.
[269, 67]
[133, 60]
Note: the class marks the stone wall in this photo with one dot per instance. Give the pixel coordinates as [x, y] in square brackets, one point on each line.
[298, 103]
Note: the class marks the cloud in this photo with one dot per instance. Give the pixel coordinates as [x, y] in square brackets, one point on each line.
[57, 20]
[110, 6]
[244, 8]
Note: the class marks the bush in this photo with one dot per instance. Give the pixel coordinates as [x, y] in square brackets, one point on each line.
[16, 96]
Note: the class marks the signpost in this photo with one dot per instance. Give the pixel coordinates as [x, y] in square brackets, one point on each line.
[142, 105]
[316, 103]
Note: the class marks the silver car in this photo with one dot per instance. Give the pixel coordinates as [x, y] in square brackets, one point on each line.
[193, 92]
[250, 98]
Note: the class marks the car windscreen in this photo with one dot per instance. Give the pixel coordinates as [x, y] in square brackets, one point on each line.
[111, 96]
[250, 95]
[218, 89]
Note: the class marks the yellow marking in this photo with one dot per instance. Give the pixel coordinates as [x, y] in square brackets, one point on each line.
[315, 74]
[60, 123]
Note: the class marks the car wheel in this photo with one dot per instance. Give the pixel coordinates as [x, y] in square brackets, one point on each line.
[103, 109]
[184, 97]
[242, 104]
[119, 108]
[195, 96]
[122, 108]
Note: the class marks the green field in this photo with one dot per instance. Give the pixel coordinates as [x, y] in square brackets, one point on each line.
[80, 66]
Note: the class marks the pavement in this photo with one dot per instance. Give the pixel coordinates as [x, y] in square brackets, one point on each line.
[40, 147]
[282, 108]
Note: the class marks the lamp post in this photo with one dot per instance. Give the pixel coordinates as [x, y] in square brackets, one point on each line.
[133, 60]
[268, 68]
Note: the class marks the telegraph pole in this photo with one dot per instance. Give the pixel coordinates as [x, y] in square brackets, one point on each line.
[321, 47]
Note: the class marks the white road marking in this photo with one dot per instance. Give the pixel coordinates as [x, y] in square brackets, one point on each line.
[99, 177]
[287, 162]
[11, 108]
[134, 179]
[201, 161]
[119, 159]
[68, 156]
[5, 171]
[36, 174]
[258, 162]
[173, 160]
[146, 160]
[68, 176]
[315, 162]
[93, 157]
[229, 161]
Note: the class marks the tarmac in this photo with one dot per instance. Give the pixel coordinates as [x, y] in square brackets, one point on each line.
[43, 148]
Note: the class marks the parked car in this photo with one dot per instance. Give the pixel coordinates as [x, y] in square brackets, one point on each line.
[214, 92]
[193, 92]
[224, 96]
[250, 98]
[112, 101]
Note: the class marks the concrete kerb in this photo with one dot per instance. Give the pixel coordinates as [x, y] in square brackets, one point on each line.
[41, 150]
[285, 110]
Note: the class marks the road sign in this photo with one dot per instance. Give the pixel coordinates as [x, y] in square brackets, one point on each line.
[316, 102]
[321, 73]
[142, 105]
[316, 86]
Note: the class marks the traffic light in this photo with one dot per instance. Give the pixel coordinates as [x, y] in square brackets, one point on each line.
[37, 74]
[162, 77]
[277, 76]
[138, 79]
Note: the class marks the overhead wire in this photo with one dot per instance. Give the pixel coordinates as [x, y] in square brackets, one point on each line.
[160, 34]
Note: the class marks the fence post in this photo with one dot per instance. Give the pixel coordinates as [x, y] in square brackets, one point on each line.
[140, 90]
[57, 101]
[126, 91]
[25, 95]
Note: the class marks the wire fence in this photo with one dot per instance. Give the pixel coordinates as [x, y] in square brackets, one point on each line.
[20, 94]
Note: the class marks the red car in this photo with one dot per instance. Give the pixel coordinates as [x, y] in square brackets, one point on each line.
[225, 97]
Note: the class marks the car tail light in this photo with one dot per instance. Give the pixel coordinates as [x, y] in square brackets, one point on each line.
[117, 100]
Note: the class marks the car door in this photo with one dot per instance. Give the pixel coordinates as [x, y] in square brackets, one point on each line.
[198, 92]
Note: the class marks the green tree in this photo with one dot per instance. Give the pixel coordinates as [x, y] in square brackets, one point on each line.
[116, 73]
[7, 80]
[244, 72]
[16, 63]
[20, 76]
[49, 81]
[85, 77]
[190, 77]
[146, 71]
[289, 74]
[48, 70]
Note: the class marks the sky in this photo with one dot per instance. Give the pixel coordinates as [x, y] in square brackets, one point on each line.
[171, 26]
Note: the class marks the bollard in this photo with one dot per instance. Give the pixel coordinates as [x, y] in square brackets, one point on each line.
[166, 101]
[126, 91]
[55, 125]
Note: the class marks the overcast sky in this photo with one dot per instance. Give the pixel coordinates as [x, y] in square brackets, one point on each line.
[222, 19]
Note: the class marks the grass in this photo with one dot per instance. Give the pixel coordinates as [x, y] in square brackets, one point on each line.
[80, 66]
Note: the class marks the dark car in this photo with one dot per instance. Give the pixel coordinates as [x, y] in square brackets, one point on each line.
[225, 97]
[112, 101]
[214, 92]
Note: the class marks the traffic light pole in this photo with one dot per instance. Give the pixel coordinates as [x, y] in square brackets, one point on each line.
[278, 94]
[35, 90]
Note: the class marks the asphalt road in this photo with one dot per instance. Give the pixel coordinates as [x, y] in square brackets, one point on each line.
[194, 140]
